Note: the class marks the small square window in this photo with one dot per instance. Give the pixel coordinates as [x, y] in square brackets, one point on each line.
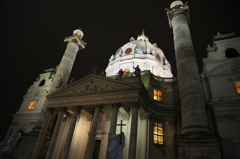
[237, 84]
[32, 105]
[158, 133]
[157, 94]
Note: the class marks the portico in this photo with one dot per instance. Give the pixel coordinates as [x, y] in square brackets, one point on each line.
[84, 116]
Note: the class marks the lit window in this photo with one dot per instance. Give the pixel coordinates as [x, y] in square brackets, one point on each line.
[158, 133]
[237, 84]
[159, 79]
[32, 105]
[126, 70]
[157, 95]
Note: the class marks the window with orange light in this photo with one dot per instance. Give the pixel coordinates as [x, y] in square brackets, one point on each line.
[32, 104]
[237, 84]
[157, 94]
[158, 133]
[126, 70]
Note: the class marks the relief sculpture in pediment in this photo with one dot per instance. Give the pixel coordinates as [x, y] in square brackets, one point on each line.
[91, 88]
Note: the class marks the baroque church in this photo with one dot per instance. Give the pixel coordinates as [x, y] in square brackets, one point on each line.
[136, 109]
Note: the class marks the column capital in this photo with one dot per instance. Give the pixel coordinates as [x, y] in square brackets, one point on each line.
[61, 109]
[118, 105]
[50, 110]
[100, 106]
[76, 39]
[77, 108]
[175, 10]
[135, 105]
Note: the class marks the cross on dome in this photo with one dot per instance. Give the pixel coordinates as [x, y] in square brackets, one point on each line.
[143, 37]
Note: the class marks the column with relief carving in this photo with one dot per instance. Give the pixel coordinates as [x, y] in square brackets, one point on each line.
[194, 116]
[74, 43]
[133, 132]
[42, 134]
[92, 134]
[68, 141]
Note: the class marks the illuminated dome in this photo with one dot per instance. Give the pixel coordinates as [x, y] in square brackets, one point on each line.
[139, 52]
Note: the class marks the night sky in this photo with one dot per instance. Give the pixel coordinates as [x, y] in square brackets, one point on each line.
[32, 35]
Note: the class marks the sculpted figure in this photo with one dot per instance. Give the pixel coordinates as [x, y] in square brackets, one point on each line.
[12, 141]
[137, 71]
[120, 74]
[117, 143]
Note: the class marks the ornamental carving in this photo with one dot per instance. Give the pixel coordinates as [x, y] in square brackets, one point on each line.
[224, 117]
[90, 88]
[227, 68]
[235, 68]
[172, 13]
[71, 38]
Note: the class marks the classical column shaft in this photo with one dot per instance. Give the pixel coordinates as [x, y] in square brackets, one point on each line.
[92, 135]
[113, 124]
[70, 134]
[194, 117]
[54, 135]
[64, 69]
[114, 116]
[41, 135]
[133, 132]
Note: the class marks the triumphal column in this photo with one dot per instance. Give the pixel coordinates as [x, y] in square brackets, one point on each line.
[196, 139]
[194, 116]
[74, 44]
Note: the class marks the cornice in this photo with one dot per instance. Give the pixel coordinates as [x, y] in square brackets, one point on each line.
[131, 87]
[224, 103]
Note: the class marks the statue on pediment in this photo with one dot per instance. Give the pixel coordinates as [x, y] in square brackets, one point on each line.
[137, 71]
[120, 73]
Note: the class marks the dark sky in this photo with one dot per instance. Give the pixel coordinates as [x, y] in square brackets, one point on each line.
[32, 34]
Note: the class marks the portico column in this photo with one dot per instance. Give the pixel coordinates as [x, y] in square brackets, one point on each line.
[69, 137]
[42, 134]
[92, 135]
[113, 124]
[55, 134]
[133, 133]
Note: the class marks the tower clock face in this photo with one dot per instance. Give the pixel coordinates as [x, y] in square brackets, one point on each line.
[128, 51]
[158, 57]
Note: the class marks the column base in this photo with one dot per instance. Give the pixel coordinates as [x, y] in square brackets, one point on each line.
[198, 148]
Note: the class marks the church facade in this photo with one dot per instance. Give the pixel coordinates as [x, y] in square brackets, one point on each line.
[137, 109]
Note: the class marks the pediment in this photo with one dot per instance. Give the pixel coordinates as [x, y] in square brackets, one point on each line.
[93, 85]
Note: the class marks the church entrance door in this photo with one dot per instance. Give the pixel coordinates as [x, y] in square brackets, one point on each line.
[97, 149]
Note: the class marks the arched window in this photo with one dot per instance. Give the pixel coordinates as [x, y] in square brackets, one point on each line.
[229, 53]
[42, 83]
